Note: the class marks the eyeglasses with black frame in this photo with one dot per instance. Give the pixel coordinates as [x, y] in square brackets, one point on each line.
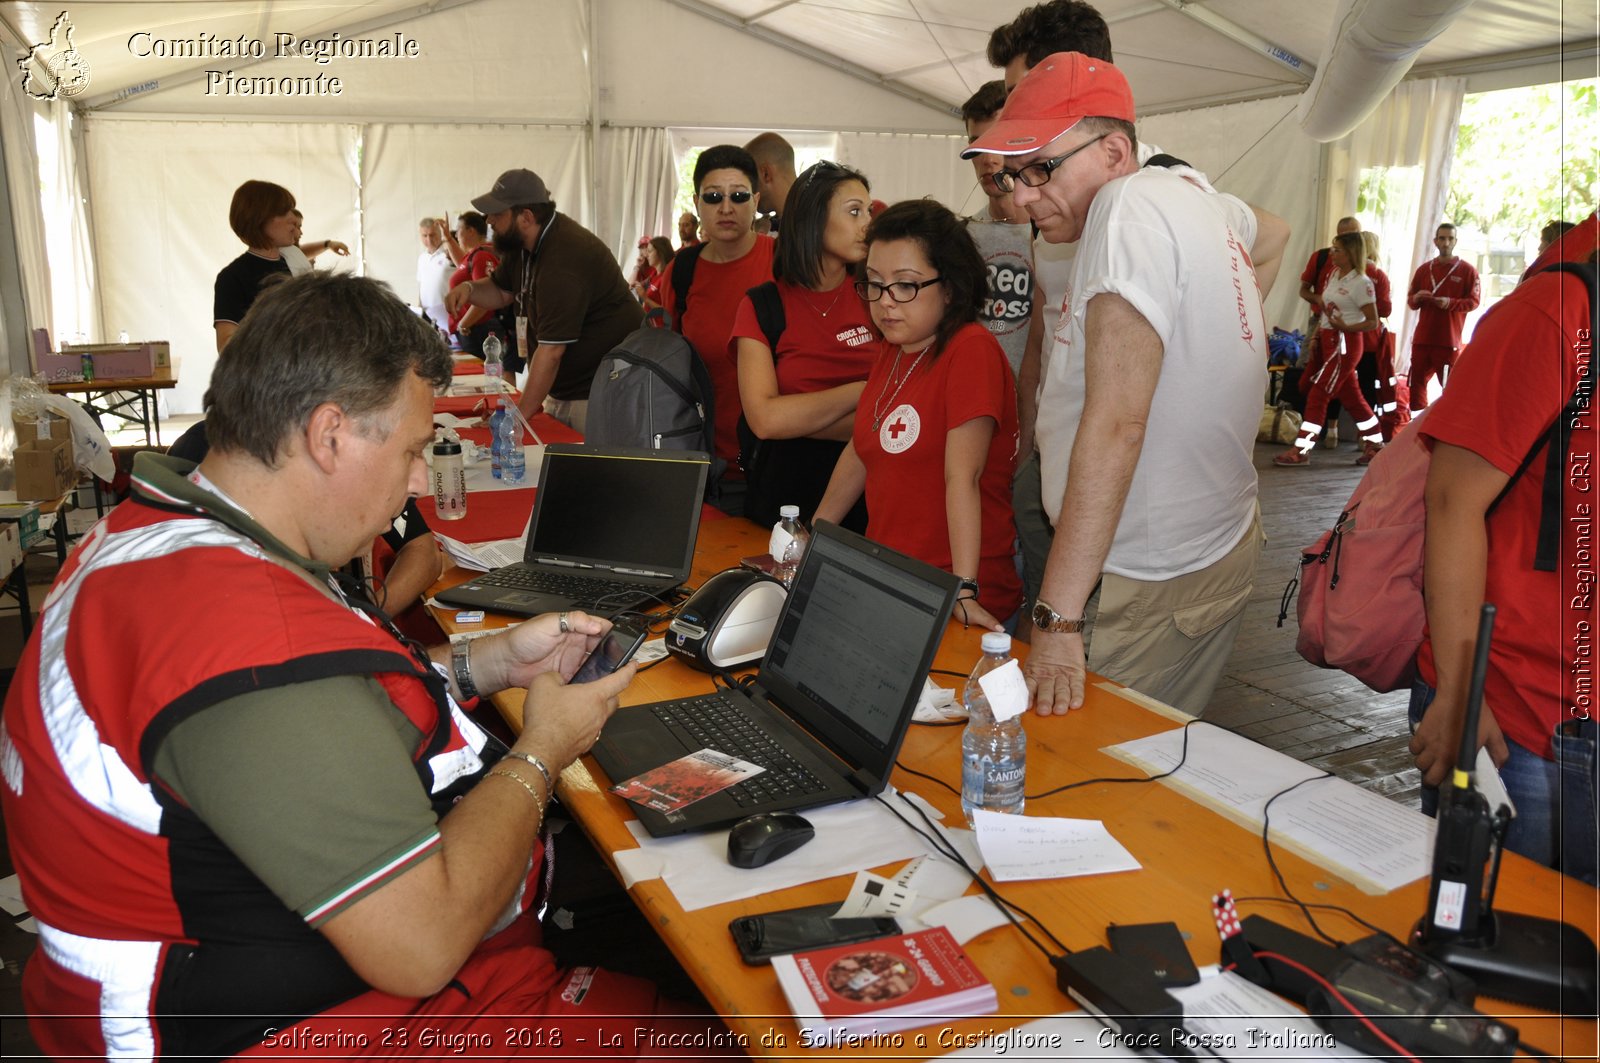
[899, 291]
[1038, 173]
[739, 195]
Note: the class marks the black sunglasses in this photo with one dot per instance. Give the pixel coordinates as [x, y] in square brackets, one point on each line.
[711, 199]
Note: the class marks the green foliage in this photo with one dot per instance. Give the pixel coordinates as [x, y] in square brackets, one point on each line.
[686, 189]
[1526, 156]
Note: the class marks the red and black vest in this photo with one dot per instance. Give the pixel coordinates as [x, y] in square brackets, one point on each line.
[164, 612]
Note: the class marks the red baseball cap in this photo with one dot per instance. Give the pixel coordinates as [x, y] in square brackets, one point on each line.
[1054, 96]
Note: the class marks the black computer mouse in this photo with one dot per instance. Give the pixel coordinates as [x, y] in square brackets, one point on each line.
[756, 841]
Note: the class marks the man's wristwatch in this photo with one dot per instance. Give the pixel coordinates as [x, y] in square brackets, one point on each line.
[1047, 619]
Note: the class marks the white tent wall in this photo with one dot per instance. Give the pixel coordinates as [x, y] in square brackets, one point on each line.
[161, 191]
[1255, 151]
[413, 171]
[911, 166]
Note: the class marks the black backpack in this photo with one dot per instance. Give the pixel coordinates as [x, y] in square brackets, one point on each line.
[652, 391]
[768, 305]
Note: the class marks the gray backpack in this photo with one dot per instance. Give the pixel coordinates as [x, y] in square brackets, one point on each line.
[652, 391]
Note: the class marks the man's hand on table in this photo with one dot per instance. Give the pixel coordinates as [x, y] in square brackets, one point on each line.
[1055, 672]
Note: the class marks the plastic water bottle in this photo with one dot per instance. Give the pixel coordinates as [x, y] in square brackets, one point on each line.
[449, 479]
[788, 543]
[513, 458]
[994, 756]
[496, 444]
[494, 366]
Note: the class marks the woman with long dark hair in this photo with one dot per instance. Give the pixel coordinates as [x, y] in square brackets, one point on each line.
[805, 344]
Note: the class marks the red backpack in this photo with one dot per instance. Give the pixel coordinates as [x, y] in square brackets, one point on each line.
[1361, 609]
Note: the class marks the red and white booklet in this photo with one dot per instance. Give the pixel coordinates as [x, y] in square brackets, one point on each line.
[884, 985]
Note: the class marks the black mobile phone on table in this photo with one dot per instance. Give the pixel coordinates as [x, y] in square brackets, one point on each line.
[761, 937]
[614, 651]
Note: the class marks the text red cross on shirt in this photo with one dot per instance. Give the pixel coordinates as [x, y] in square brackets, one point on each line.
[898, 427]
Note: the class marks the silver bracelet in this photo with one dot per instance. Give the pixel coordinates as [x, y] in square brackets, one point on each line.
[549, 782]
[461, 668]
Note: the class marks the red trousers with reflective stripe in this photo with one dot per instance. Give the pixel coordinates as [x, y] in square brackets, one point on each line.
[1333, 376]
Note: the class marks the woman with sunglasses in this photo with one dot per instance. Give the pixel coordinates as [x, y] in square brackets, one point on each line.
[935, 436]
[800, 393]
[732, 260]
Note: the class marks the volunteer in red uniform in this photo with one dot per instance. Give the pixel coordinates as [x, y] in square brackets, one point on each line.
[800, 397]
[733, 259]
[264, 826]
[1443, 291]
[1522, 367]
[934, 444]
[1348, 310]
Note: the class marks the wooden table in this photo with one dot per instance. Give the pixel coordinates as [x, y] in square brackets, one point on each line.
[1188, 852]
[118, 397]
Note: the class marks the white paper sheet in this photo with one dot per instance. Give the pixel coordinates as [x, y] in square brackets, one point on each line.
[850, 836]
[1374, 842]
[1017, 848]
[482, 557]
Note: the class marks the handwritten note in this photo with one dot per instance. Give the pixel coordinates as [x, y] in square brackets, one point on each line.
[1028, 847]
[1006, 690]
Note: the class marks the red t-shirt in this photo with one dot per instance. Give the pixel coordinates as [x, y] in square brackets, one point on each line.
[708, 315]
[479, 263]
[1457, 282]
[827, 340]
[904, 456]
[1505, 392]
[1318, 279]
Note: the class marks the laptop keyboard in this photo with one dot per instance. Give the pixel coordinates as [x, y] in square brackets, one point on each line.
[718, 722]
[578, 588]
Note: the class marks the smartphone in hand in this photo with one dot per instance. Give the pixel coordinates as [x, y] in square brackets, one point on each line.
[614, 651]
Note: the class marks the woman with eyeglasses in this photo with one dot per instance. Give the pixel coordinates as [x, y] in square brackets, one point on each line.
[934, 443]
[732, 259]
[805, 344]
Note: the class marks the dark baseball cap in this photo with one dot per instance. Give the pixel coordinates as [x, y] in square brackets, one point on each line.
[514, 188]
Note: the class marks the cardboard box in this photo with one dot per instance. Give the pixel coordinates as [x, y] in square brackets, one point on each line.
[58, 368]
[114, 361]
[24, 518]
[45, 470]
[54, 426]
[11, 550]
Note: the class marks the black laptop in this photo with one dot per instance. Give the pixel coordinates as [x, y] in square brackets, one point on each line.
[830, 706]
[612, 529]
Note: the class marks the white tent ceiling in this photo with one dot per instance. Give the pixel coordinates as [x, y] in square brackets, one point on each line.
[1177, 53]
[582, 89]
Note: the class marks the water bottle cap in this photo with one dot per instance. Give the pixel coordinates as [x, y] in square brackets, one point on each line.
[443, 447]
[996, 642]
[789, 512]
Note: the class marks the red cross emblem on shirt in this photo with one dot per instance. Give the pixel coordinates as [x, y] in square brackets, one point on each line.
[898, 427]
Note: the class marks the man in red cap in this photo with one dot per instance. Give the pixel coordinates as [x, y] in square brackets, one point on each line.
[1148, 410]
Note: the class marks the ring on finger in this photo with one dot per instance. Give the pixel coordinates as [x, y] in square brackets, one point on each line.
[561, 622]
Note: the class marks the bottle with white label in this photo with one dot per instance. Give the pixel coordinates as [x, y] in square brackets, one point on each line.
[449, 479]
[788, 543]
[994, 755]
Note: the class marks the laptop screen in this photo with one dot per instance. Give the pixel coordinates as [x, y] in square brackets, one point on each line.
[637, 509]
[857, 636]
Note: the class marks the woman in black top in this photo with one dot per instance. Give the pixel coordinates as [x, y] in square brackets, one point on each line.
[262, 215]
